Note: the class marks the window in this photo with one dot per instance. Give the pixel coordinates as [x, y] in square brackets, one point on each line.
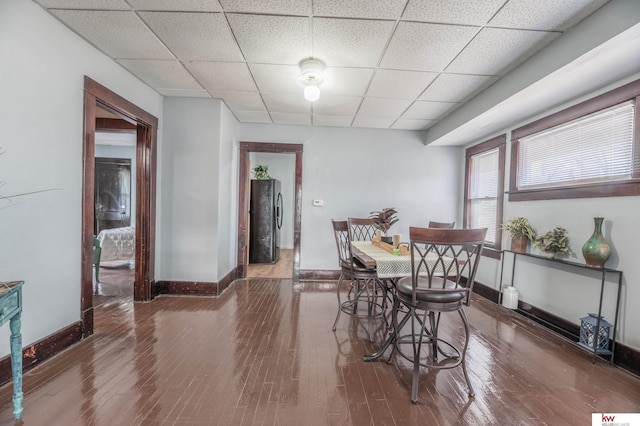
[484, 183]
[589, 150]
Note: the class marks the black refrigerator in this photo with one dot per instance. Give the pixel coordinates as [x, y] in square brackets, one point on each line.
[265, 217]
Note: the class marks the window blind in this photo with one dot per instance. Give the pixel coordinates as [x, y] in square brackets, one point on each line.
[483, 192]
[592, 149]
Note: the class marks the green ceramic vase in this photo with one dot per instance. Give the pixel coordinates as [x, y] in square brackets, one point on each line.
[596, 251]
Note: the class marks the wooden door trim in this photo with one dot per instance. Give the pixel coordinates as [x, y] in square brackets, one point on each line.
[245, 149]
[95, 94]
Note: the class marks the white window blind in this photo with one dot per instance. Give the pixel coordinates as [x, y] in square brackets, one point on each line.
[592, 149]
[483, 192]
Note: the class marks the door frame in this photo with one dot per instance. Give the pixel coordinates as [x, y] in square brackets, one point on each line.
[146, 158]
[243, 201]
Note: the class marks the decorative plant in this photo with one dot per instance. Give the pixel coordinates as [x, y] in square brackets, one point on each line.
[554, 241]
[261, 172]
[519, 226]
[385, 218]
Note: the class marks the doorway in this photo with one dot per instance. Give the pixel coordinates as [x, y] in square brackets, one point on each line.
[270, 240]
[98, 97]
[246, 148]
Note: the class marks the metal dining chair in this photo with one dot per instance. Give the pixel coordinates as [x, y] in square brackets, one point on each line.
[441, 225]
[361, 282]
[443, 268]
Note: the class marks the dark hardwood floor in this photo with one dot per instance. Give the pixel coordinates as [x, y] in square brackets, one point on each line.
[263, 353]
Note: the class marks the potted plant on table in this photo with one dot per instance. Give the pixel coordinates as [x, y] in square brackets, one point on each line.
[552, 242]
[384, 219]
[520, 231]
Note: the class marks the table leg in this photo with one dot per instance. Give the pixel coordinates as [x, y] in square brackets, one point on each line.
[16, 364]
[390, 340]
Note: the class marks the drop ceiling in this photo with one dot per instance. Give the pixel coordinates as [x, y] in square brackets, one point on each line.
[398, 64]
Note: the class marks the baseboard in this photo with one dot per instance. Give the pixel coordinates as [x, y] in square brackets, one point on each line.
[625, 357]
[42, 350]
[194, 288]
[182, 288]
[319, 275]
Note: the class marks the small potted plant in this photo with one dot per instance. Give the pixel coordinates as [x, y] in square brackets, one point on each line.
[520, 231]
[552, 242]
[261, 172]
[384, 220]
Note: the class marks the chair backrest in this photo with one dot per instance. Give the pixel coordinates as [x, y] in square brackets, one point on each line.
[445, 260]
[341, 233]
[361, 229]
[442, 225]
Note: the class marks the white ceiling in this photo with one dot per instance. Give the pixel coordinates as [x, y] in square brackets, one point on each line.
[400, 64]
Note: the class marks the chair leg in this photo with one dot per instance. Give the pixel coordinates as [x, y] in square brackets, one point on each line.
[339, 300]
[417, 349]
[463, 356]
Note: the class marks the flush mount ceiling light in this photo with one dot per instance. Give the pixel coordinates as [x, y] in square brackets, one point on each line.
[311, 78]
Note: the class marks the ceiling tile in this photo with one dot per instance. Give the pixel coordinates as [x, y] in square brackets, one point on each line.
[182, 5]
[287, 102]
[332, 120]
[373, 122]
[161, 74]
[456, 87]
[408, 124]
[476, 12]
[421, 110]
[380, 107]
[346, 81]
[113, 32]
[350, 42]
[272, 39]
[496, 50]
[185, 93]
[247, 101]
[374, 9]
[198, 36]
[276, 78]
[273, 7]
[399, 84]
[426, 47]
[252, 116]
[550, 15]
[337, 105]
[226, 76]
[86, 4]
[290, 118]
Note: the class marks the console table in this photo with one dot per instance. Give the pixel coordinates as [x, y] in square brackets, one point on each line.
[10, 309]
[602, 271]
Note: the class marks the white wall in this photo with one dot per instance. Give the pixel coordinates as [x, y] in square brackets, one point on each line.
[42, 66]
[564, 291]
[356, 171]
[228, 193]
[282, 166]
[114, 151]
[190, 189]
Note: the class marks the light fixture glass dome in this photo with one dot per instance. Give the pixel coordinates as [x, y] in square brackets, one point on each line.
[311, 78]
[312, 93]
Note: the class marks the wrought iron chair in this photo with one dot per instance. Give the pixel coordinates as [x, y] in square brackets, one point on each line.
[361, 281]
[441, 225]
[443, 268]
